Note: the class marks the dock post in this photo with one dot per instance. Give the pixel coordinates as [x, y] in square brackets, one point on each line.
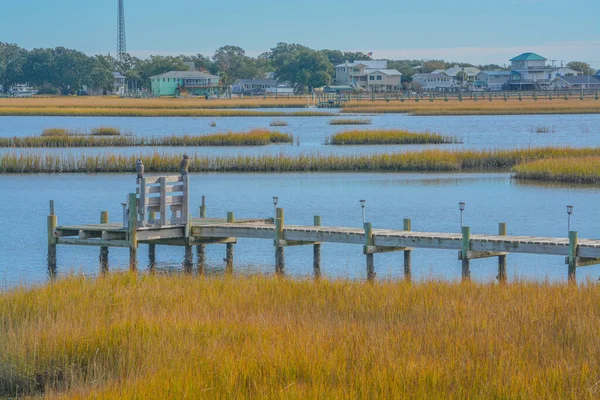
[370, 258]
[229, 252]
[52, 223]
[317, 251]
[132, 226]
[201, 248]
[279, 251]
[466, 247]
[152, 246]
[407, 254]
[104, 250]
[502, 259]
[572, 256]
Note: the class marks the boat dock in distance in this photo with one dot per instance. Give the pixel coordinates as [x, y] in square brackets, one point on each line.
[158, 213]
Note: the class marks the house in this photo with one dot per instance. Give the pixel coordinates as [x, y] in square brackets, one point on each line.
[119, 84]
[455, 72]
[575, 82]
[531, 72]
[119, 87]
[384, 80]
[176, 83]
[356, 74]
[252, 86]
[494, 80]
[282, 88]
[435, 82]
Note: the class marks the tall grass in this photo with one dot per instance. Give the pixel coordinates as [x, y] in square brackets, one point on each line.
[56, 132]
[278, 122]
[350, 121]
[387, 136]
[255, 137]
[106, 131]
[173, 337]
[579, 170]
[422, 161]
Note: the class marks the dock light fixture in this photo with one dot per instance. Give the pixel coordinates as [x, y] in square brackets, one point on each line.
[461, 207]
[275, 201]
[569, 212]
[362, 205]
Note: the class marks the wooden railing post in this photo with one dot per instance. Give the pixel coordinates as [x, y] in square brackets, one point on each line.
[52, 223]
[407, 254]
[132, 226]
[317, 251]
[502, 259]
[163, 200]
[229, 251]
[572, 256]
[152, 247]
[104, 250]
[201, 248]
[279, 251]
[466, 247]
[369, 255]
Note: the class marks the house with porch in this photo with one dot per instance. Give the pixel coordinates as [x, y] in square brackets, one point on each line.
[357, 75]
[532, 73]
[493, 80]
[435, 82]
[575, 83]
[175, 83]
[253, 86]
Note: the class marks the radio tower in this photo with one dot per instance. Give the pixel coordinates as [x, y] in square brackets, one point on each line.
[121, 44]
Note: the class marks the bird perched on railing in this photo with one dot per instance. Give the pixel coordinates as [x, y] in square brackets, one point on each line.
[185, 165]
[139, 168]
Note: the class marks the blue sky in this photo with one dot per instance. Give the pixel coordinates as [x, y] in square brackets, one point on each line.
[477, 31]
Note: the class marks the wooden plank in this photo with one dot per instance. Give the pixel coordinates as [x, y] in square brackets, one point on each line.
[110, 235]
[161, 233]
[152, 180]
[132, 226]
[93, 242]
[163, 197]
[170, 189]
[143, 201]
[168, 200]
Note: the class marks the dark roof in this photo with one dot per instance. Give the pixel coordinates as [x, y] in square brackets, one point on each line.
[578, 80]
[271, 82]
[528, 57]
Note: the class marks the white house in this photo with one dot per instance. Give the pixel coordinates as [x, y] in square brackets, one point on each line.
[435, 82]
[248, 86]
[357, 74]
[533, 73]
[384, 80]
[575, 83]
[471, 73]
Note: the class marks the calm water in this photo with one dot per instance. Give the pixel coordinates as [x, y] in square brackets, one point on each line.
[479, 132]
[429, 199]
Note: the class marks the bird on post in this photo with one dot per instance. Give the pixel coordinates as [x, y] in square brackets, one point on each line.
[139, 168]
[185, 164]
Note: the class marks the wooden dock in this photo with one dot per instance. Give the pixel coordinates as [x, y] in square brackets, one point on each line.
[162, 195]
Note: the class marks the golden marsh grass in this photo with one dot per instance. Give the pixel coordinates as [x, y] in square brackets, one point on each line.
[387, 136]
[350, 121]
[255, 137]
[578, 170]
[434, 160]
[162, 337]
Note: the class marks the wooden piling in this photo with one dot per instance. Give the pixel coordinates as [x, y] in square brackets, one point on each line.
[317, 251]
[466, 247]
[201, 248]
[132, 226]
[188, 259]
[152, 247]
[407, 254]
[229, 252]
[279, 251]
[572, 256]
[52, 223]
[370, 258]
[104, 250]
[502, 259]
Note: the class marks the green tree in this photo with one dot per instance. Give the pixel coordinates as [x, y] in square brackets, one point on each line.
[582, 67]
[101, 75]
[233, 63]
[303, 67]
[12, 60]
[335, 57]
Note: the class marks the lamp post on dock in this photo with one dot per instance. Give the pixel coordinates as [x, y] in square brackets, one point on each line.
[461, 207]
[275, 201]
[362, 205]
[569, 212]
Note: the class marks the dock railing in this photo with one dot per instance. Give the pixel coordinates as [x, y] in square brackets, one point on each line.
[163, 195]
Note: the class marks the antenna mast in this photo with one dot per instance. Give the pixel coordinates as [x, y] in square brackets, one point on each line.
[121, 43]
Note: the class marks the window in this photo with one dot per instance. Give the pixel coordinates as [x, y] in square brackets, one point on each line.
[379, 77]
[164, 80]
[371, 78]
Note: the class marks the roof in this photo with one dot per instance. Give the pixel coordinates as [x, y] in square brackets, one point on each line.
[393, 72]
[430, 76]
[598, 73]
[497, 72]
[272, 82]
[578, 80]
[529, 57]
[439, 71]
[468, 70]
[378, 64]
[185, 75]
[117, 75]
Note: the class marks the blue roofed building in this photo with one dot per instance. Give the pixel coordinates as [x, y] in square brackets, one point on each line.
[493, 80]
[532, 73]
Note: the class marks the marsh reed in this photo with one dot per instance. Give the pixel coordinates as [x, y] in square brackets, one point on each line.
[387, 136]
[350, 121]
[560, 169]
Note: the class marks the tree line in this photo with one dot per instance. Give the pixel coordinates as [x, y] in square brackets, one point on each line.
[66, 71]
